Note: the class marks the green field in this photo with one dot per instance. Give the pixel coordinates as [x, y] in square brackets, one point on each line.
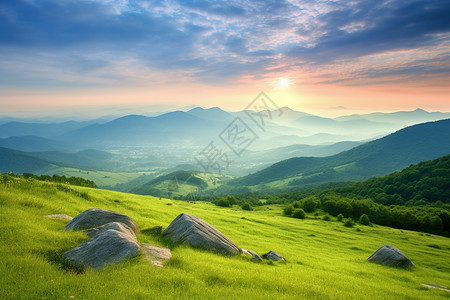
[101, 178]
[325, 260]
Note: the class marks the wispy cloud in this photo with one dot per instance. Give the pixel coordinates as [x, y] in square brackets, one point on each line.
[129, 42]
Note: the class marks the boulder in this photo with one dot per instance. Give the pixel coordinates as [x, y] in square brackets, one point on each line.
[95, 217]
[107, 246]
[118, 226]
[272, 255]
[390, 256]
[59, 216]
[197, 233]
[156, 255]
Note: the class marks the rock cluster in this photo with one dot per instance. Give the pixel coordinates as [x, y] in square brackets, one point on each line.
[113, 239]
[195, 232]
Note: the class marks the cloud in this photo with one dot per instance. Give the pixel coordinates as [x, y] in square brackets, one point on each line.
[379, 26]
[88, 41]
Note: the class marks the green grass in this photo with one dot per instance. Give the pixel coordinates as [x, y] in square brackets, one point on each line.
[101, 178]
[325, 260]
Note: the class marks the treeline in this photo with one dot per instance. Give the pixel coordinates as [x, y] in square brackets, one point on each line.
[429, 218]
[55, 178]
[425, 183]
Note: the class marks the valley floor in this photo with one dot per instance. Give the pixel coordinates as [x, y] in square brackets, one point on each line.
[325, 260]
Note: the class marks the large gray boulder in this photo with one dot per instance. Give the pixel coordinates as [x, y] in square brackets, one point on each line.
[118, 226]
[95, 217]
[107, 246]
[390, 256]
[197, 233]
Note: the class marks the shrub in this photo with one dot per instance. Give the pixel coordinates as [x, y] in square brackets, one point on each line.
[231, 199]
[288, 210]
[364, 219]
[309, 204]
[340, 217]
[326, 218]
[349, 223]
[299, 213]
[246, 206]
[223, 202]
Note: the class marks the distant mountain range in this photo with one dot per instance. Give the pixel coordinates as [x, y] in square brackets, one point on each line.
[37, 162]
[398, 150]
[155, 143]
[198, 126]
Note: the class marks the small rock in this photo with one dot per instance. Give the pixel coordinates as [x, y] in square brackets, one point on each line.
[255, 256]
[156, 255]
[95, 217]
[272, 255]
[59, 216]
[390, 256]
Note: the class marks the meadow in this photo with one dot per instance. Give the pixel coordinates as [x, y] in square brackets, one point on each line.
[325, 260]
[101, 178]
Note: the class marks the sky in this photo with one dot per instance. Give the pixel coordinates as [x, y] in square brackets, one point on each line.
[316, 56]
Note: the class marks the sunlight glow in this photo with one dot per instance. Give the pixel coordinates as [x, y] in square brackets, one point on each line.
[283, 82]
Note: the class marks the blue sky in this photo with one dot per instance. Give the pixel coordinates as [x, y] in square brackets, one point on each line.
[55, 47]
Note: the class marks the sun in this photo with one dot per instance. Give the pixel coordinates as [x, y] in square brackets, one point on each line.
[283, 82]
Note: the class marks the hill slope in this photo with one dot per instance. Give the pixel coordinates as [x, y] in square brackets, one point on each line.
[393, 152]
[325, 260]
[34, 162]
[424, 183]
[20, 162]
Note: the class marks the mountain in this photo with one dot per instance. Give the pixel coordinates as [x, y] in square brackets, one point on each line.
[32, 143]
[402, 118]
[37, 162]
[175, 128]
[90, 159]
[21, 162]
[38, 129]
[359, 128]
[297, 150]
[176, 183]
[419, 184]
[398, 150]
[214, 114]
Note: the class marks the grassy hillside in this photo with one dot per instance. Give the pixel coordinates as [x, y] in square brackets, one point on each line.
[391, 153]
[420, 184]
[179, 184]
[101, 178]
[325, 259]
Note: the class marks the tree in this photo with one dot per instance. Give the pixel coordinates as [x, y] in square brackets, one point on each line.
[309, 204]
[349, 223]
[340, 217]
[288, 210]
[231, 199]
[223, 202]
[364, 220]
[299, 213]
[246, 206]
